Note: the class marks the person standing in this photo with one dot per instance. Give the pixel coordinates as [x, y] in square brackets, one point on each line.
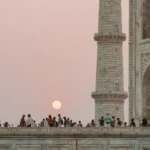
[54, 122]
[22, 121]
[93, 124]
[125, 124]
[107, 120]
[65, 122]
[101, 122]
[59, 120]
[29, 121]
[80, 124]
[46, 122]
[42, 123]
[119, 122]
[34, 124]
[132, 124]
[50, 121]
[113, 121]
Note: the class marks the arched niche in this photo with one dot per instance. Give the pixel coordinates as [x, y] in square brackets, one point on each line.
[146, 93]
[146, 19]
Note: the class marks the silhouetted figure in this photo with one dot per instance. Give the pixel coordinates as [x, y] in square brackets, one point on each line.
[65, 122]
[101, 122]
[80, 124]
[132, 124]
[125, 124]
[144, 123]
[22, 121]
[88, 125]
[119, 122]
[113, 121]
[75, 124]
[55, 124]
[6, 124]
[93, 124]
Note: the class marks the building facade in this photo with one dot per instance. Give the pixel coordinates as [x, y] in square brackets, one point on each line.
[139, 60]
[109, 92]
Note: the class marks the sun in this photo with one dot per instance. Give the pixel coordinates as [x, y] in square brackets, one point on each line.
[56, 104]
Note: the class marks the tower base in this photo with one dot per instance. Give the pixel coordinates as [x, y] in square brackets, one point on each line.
[112, 104]
[113, 108]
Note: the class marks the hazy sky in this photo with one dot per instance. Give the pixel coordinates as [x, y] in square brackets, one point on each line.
[47, 53]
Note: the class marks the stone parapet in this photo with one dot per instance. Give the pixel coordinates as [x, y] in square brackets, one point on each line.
[75, 138]
[85, 132]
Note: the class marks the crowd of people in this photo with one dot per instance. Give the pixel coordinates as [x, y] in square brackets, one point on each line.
[45, 122]
[109, 121]
[106, 121]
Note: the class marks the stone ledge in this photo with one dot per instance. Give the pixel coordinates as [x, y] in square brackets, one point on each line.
[110, 38]
[112, 96]
[145, 41]
[96, 131]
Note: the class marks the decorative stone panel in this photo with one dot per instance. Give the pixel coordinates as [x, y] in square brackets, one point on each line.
[29, 147]
[59, 147]
[5, 147]
[145, 62]
[144, 147]
[90, 147]
[120, 147]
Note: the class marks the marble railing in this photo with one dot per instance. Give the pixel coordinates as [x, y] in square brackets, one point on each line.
[76, 131]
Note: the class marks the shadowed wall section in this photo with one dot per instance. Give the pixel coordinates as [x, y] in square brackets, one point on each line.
[146, 19]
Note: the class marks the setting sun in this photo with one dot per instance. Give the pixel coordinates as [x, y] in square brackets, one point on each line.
[56, 104]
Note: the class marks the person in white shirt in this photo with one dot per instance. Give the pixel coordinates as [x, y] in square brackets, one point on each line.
[46, 122]
[34, 124]
[59, 121]
[29, 121]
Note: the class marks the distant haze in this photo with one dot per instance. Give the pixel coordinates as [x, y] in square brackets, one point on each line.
[47, 53]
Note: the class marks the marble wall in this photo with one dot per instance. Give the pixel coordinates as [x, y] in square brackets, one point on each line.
[77, 139]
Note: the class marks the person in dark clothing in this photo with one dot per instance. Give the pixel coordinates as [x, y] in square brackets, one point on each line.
[80, 124]
[132, 124]
[119, 122]
[101, 122]
[113, 121]
[125, 124]
[144, 123]
[65, 122]
[22, 121]
[55, 124]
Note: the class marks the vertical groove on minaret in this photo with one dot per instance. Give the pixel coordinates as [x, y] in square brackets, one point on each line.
[109, 92]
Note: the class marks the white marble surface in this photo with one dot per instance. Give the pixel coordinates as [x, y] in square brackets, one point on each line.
[78, 139]
[75, 131]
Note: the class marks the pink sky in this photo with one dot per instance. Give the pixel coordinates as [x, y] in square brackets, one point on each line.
[47, 53]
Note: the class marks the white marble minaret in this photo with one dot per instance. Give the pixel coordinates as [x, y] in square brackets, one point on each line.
[109, 94]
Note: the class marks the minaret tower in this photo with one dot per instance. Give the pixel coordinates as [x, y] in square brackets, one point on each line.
[109, 94]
